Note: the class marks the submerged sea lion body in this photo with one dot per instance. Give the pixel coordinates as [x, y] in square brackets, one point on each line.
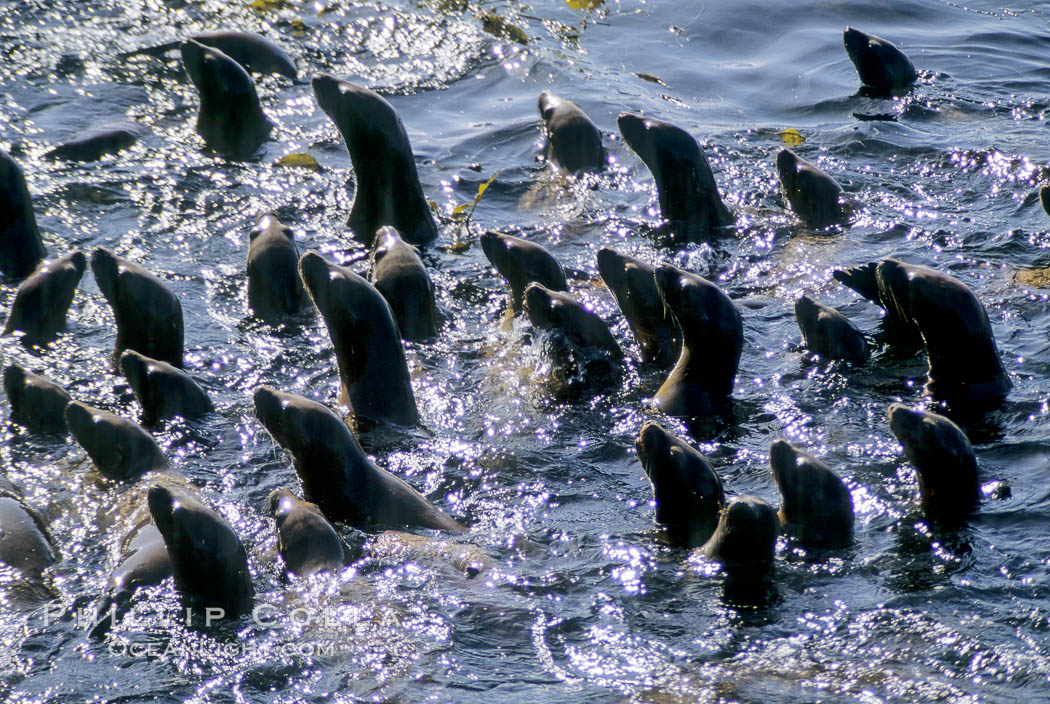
[93, 144]
[275, 290]
[163, 390]
[36, 401]
[388, 189]
[335, 473]
[689, 197]
[147, 312]
[208, 560]
[396, 544]
[398, 273]
[883, 68]
[815, 505]
[42, 301]
[307, 542]
[21, 248]
[949, 318]
[521, 263]
[632, 284]
[712, 343]
[573, 141]
[120, 449]
[230, 117]
[687, 491]
[367, 344]
[944, 460]
[814, 196]
[830, 334]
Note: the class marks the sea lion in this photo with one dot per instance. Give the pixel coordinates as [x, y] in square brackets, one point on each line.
[944, 460]
[120, 449]
[1044, 198]
[398, 273]
[814, 196]
[689, 197]
[147, 312]
[253, 52]
[632, 284]
[42, 301]
[307, 542]
[521, 262]
[275, 290]
[573, 140]
[949, 318]
[162, 390]
[36, 401]
[815, 506]
[712, 342]
[745, 538]
[335, 473]
[21, 248]
[388, 189]
[830, 334]
[367, 345]
[208, 560]
[230, 117]
[687, 491]
[883, 68]
[93, 144]
[25, 543]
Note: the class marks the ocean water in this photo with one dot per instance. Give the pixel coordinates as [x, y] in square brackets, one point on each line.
[583, 601]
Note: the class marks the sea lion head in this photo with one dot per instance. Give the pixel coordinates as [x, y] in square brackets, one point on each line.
[828, 333]
[881, 66]
[136, 368]
[360, 113]
[555, 310]
[297, 423]
[521, 262]
[106, 268]
[661, 145]
[214, 73]
[702, 309]
[746, 536]
[268, 223]
[544, 307]
[814, 503]
[386, 238]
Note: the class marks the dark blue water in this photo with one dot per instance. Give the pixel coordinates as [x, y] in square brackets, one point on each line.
[584, 602]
